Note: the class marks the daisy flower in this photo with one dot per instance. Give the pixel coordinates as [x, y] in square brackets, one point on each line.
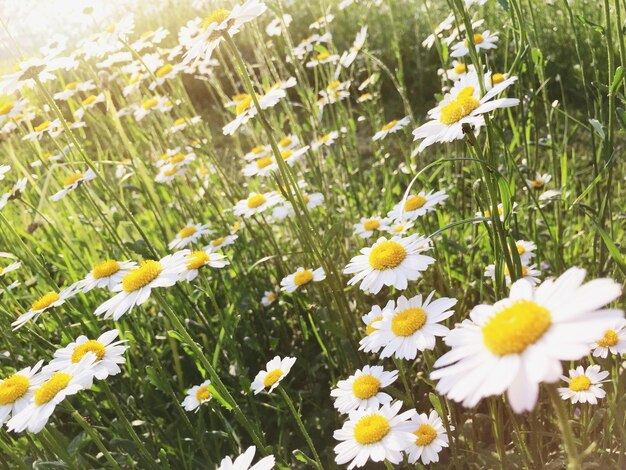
[276, 26]
[257, 152]
[391, 127]
[106, 274]
[417, 205]
[182, 123]
[136, 286]
[169, 172]
[367, 226]
[30, 69]
[275, 371]
[322, 22]
[11, 110]
[263, 166]
[156, 103]
[72, 182]
[269, 297]
[292, 157]
[165, 72]
[463, 104]
[374, 434]
[244, 462]
[520, 341]
[458, 70]
[540, 181]
[584, 386]
[529, 273]
[348, 57]
[285, 209]
[411, 326]
[196, 396]
[15, 192]
[188, 235]
[429, 438]
[109, 354]
[46, 127]
[220, 243]
[390, 262]
[362, 390]
[323, 57]
[482, 41]
[11, 267]
[613, 341]
[195, 260]
[256, 203]
[88, 103]
[400, 228]
[301, 278]
[16, 391]
[487, 213]
[246, 109]
[325, 140]
[334, 92]
[51, 389]
[45, 302]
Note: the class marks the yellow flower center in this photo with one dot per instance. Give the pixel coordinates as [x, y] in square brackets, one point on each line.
[90, 99]
[203, 393]
[303, 277]
[580, 384]
[258, 149]
[398, 228]
[256, 200]
[408, 321]
[460, 68]
[389, 125]
[91, 345]
[42, 127]
[365, 386]
[371, 429]
[197, 259]
[414, 203]
[13, 388]
[271, 297]
[488, 212]
[610, 338]
[164, 70]
[286, 154]
[179, 157]
[150, 103]
[111, 28]
[333, 85]
[425, 434]
[180, 121]
[45, 301]
[371, 224]
[387, 255]
[135, 78]
[478, 39]
[323, 139]
[263, 162]
[187, 231]
[141, 276]
[70, 180]
[370, 328]
[218, 241]
[51, 387]
[520, 249]
[497, 78]
[285, 142]
[243, 105]
[105, 269]
[459, 108]
[365, 96]
[171, 172]
[537, 184]
[516, 327]
[272, 377]
[217, 16]
[6, 109]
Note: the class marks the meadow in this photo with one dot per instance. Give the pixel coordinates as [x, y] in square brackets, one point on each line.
[328, 234]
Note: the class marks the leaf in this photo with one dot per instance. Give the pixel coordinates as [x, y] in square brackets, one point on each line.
[537, 56]
[597, 127]
[617, 79]
[610, 245]
[621, 117]
[590, 24]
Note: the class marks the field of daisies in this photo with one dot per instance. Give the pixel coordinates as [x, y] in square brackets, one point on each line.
[259, 234]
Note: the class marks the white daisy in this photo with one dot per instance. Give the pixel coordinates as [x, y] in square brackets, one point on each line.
[613, 341]
[323, 57]
[540, 181]
[196, 396]
[529, 273]
[518, 343]
[417, 205]
[244, 461]
[16, 391]
[525, 250]
[375, 315]
[429, 438]
[188, 235]
[15, 192]
[458, 70]
[276, 26]
[196, 260]
[257, 152]
[220, 243]
[256, 203]
[482, 42]
[501, 214]
[11, 267]
[269, 297]
[362, 390]
[325, 140]
[87, 104]
[262, 166]
[275, 371]
[391, 127]
[72, 182]
[301, 278]
[584, 386]
[246, 109]
[400, 228]
[45, 302]
[106, 274]
[367, 226]
[348, 57]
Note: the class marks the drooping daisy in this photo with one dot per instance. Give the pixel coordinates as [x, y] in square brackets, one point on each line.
[482, 42]
[16, 391]
[463, 104]
[348, 57]
[518, 343]
[362, 390]
[51, 389]
[244, 462]
[196, 260]
[109, 354]
[368, 226]
[275, 371]
[72, 182]
[334, 92]
[374, 434]
[106, 274]
[46, 127]
[584, 386]
[613, 341]
[391, 262]
[188, 235]
[256, 203]
[11, 267]
[88, 103]
[540, 181]
[529, 273]
[269, 297]
[196, 396]
[325, 140]
[391, 127]
[136, 286]
[429, 438]
[15, 192]
[246, 109]
[45, 302]
[417, 205]
[301, 278]
[220, 243]
[323, 57]
[410, 327]
[525, 250]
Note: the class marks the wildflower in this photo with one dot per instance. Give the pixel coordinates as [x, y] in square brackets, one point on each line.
[367, 226]
[269, 297]
[325, 140]
[429, 438]
[301, 278]
[32, 69]
[71, 182]
[540, 181]
[257, 152]
[324, 57]
[285, 209]
[391, 127]
[149, 105]
[307, 45]
[390, 262]
[501, 214]
[458, 70]
[164, 73]
[10, 267]
[15, 192]
[275, 27]
[348, 57]
[375, 315]
[16, 391]
[529, 273]
[46, 127]
[197, 395]
[417, 205]
[518, 343]
[525, 250]
[400, 228]
[584, 386]
[275, 371]
[45, 302]
[334, 92]
[263, 166]
[482, 41]
[256, 203]
[613, 341]
[246, 109]
[12, 109]
[182, 123]
[362, 390]
[195, 260]
[88, 103]
[106, 274]
[221, 242]
[188, 235]
[244, 461]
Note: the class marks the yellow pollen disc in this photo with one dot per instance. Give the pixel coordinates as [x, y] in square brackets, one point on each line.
[180, 121]
[203, 393]
[414, 203]
[145, 35]
[135, 78]
[460, 68]
[111, 28]
[497, 78]
[322, 56]
[272, 377]
[371, 224]
[387, 255]
[263, 162]
[45, 301]
[524, 271]
[42, 127]
[258, 149]
[302, 277]
[243, 105]
[323, 139]
[271, 297]
[425, 434]
[13, 388]
[371, 429]
[51, 387]
[1, 269]
[197, 259]
[459, 108]
[256, 200]
[286, 154]
[398, 228]
[610, 338]
[537, 184]
[6, 109]
[218, 16]
[179, 157]
[365, 96]
[520, 249]
[141, 276]
[285, 142]
[478, 39]
[187, 231]
[91, 345]
[370, 329]
[105, 269]
[516, 327]
[90, 99]
[218, 241]
[389, 125]
[408, 321]
[171, 172]
[332, 85]
[365, 386]
[164, 70]
[306, 198]
[150, 103]
[70, 180]
[580, 384]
